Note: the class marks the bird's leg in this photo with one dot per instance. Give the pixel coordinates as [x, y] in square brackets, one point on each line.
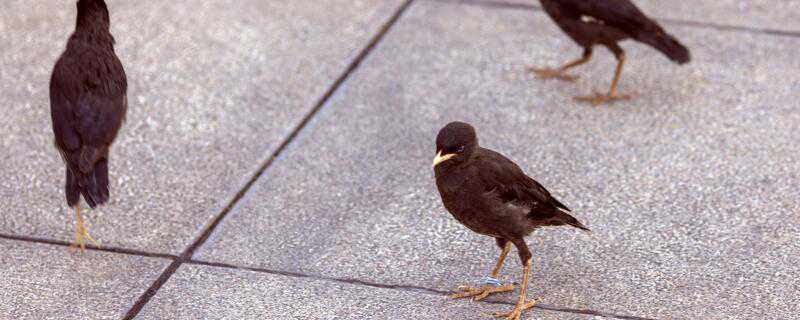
[599, 98]
[521, 304]
[501, 260]
[492, 284]
[525, 255]
[560, 73]
[81, 232]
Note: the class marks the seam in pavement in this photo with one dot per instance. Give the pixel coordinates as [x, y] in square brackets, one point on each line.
[401, 287]
[499, 4]
[177, 261]
[186, 256]
[189, 252]
[727, 27]
[131, 252]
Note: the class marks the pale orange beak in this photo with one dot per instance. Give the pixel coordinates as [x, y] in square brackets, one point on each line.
[442, 158]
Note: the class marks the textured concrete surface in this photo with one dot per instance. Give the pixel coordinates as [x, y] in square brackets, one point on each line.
[688, 187]
[197, 292]
[691, 189]
[754, 14]
[211, 94]
[48, 282]
[766, 14]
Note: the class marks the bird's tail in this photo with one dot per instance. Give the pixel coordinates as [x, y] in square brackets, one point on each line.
[566, 218]
[667, 44]
[93, 185]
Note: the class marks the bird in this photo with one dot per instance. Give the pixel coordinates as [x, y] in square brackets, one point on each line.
[492, 196]
[607, 22]
[88, 104]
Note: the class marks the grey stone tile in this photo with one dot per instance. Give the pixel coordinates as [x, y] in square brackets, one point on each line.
[758, 14]
[197, 292]
[779, 15]
[49, 282]
[214, 88]
[691, 188]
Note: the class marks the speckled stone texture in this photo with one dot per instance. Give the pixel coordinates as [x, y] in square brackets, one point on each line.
[691, 188]
[214, 88]
[39, 281]
[197, 292]
[778, 15]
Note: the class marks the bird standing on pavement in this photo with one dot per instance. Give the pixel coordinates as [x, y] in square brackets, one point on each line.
[491, 195]
[88, 103]
[606, 22]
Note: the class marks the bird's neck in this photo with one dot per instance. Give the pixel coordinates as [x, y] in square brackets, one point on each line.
[93, 32]
[93, 23]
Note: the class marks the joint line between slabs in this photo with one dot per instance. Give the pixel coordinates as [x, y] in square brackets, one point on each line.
[402, 287]
[497, 4]
[118, 250]
[187, 255]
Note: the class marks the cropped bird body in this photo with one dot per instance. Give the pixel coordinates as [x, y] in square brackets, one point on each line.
[88, 104]
[520, 203]
[606, 22]
[491, 195]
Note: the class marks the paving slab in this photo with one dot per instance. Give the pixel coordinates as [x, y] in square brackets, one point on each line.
[756, 14]
[214, 88]
[690, 188]
[42, 281]
[198, 292]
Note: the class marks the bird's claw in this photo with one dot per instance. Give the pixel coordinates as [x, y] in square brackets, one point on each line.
[600, 98]
[547, 73]
[80, 234]
[517, 312]
[482, 292]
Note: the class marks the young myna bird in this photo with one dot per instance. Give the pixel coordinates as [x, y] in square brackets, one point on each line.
[606, 22]
[88, 103]
[490, 195]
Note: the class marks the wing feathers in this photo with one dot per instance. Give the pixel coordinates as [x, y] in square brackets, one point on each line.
[512, 185]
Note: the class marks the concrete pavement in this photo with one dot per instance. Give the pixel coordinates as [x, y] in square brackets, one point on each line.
[331, 109]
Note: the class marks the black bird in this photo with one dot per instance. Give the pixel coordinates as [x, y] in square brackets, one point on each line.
[88, 103]
[606, 22]
[491, 195]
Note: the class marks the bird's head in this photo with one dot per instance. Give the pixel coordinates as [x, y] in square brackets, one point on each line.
[94, 13]
[455, 143]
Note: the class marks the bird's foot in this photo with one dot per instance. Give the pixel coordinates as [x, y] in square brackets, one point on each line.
[82, 233]
[517, 312]
[547, 73]
[601, 98]
[490, 286]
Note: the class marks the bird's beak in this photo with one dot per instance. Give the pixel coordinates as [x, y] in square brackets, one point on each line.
[442, 158]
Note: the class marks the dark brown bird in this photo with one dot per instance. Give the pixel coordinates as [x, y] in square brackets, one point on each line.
[88, 103]
[606, 22]
[491, 195]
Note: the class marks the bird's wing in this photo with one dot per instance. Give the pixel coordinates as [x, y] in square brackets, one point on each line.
[621, 14]
[501, 176]
[86, 112]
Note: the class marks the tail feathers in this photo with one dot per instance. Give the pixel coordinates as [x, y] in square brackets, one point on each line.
[93, 185]
[667, 44]
[565, 218]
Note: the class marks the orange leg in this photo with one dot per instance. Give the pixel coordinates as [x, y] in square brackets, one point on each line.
[484, 291]
[521, 304]
[81, 232]
[612, 95]
[560, 73]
